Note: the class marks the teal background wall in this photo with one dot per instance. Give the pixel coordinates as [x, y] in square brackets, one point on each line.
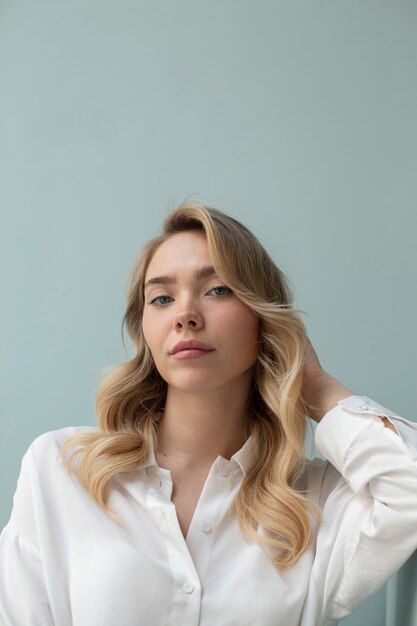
[298, 117]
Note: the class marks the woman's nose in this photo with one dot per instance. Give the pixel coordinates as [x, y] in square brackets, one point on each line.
[188, 319]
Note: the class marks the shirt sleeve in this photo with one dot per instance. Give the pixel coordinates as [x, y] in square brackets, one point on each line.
[23, 593]
[369, 502]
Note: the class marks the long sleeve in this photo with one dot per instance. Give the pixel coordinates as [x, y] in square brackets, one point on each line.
[369, 503]
[23, 596]
[23, 593]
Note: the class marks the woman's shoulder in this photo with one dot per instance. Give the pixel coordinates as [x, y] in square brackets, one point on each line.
[43, 481]
[50, 442]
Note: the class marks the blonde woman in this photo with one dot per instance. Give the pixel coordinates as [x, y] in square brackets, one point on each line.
[192, 503]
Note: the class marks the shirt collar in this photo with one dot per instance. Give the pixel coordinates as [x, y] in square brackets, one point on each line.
[150, 459]
[244, 457]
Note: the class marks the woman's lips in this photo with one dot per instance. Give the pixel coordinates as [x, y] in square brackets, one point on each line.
[190, 353]
[190, 349]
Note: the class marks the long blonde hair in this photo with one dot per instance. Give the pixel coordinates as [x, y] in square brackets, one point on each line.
[131, 399]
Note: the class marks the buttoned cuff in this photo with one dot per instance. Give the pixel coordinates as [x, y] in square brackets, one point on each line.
[340, 426]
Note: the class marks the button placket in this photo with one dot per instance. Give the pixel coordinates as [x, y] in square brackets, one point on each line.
[187, 602]
[213, 502]
[187, 599]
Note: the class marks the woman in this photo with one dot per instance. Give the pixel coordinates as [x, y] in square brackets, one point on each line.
[193, 503]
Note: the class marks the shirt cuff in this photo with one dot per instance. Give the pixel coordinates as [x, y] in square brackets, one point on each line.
[341, 425]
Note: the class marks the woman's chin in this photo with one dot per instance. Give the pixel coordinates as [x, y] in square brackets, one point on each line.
[193, 385]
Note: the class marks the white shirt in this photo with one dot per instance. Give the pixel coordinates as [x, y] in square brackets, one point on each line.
[63, 561]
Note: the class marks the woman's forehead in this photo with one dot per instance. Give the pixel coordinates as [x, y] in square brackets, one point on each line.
[181, 251]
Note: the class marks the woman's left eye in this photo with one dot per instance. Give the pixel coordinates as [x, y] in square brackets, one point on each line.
[221, 290]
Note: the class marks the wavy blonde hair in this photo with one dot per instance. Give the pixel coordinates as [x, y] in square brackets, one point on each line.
[130, 401]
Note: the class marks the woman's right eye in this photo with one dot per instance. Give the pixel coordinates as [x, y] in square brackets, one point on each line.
[161, 300]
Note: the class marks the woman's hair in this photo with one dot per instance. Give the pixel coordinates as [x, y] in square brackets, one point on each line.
[130, 401]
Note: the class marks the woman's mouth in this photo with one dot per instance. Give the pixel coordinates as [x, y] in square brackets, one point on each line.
[190, 350]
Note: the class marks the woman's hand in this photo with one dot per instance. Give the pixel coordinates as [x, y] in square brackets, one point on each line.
[320, 390]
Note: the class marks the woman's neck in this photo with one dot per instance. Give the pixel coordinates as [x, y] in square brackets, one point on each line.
[198, 427]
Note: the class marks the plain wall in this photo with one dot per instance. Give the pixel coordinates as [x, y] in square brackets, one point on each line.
[297, 117]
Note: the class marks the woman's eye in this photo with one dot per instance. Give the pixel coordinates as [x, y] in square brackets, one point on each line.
[161, 300]
[221, 290]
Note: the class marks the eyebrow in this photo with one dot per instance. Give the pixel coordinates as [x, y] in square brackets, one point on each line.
[199, 274]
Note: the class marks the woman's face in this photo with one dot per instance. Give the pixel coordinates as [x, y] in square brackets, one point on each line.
[201, 336]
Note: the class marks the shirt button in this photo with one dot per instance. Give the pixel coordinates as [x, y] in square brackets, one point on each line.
[362, 406]
[188, 588]
[224, 472]
[206, 528]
